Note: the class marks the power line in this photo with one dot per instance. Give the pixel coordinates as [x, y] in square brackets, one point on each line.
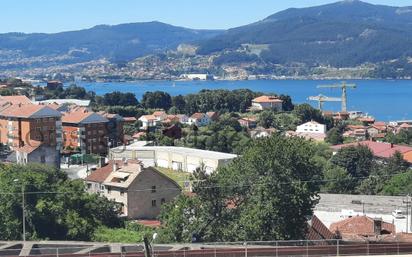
[209, 187]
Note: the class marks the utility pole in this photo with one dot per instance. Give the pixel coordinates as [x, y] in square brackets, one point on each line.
[24, 212]
[23, 208]
[407, 202]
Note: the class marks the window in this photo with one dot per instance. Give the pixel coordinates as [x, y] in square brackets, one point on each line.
[109, 190]
[153, 189]
[43, 159]
[153, 203]
[163, 201]
[121, 193]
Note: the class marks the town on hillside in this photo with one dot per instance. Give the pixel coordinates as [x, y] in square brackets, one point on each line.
[143, 158]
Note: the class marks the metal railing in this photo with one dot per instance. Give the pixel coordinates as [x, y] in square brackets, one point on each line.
[302, 248]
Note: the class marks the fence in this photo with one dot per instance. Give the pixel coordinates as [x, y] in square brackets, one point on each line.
[234, 249]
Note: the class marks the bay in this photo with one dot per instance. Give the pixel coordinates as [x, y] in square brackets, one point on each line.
[386, 100]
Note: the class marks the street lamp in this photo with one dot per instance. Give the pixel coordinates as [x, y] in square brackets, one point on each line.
[153, 245]
[23, 209]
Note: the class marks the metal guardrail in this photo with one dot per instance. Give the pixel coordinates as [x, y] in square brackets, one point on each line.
[229, 249]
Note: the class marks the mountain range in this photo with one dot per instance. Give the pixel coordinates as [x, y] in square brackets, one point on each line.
[343, 34]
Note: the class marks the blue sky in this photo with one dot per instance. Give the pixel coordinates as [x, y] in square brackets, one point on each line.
[63, 15]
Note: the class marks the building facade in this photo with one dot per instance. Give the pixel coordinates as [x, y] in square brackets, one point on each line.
[140, 192]
[85, 131]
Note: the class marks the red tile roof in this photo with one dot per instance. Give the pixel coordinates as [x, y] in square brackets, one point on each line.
[382, 150]
[197, 115]
[267, 99]
[102, 173]
[26, 110]
[360, 225]
[318, 230]
[15, 99]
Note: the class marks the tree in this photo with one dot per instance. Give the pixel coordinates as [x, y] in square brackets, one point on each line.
[357, 160]
[117, 98]
[400, 184]
[179, 103]
[62, 210]
[157, 100]
[334, 136]
[337, 180]
[266, 194]
[307, 113]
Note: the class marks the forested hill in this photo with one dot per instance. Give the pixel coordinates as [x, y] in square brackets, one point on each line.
[345, 33]
[119, 42]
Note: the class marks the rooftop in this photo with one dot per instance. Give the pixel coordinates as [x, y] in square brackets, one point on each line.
[361, 225]
[82, 115]
[267, 99]
[382, 150]
[29, 111]
[179, 150]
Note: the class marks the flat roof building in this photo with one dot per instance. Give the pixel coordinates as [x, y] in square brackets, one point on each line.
[176, 158]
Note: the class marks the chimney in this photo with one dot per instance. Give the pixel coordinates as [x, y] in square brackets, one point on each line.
[115, 166]
[377, 226]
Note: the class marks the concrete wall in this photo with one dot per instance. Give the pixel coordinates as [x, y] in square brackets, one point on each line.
[140, 195]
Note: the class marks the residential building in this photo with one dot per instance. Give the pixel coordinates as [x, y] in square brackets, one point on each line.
[318, 231]
[114, 128]
[267, 103]
[248, 122]
[14, 100]
[140, 191]
[160, 115]
[129, 120]
[261, 132]
[311, 127]
[381, 150]
[76, 102]
[213, 116]
[148, 121]
[176, 158]
[318, 137]
[38, 153]
[27, 124]
[199, 119]
[362, 226]
[86, 131]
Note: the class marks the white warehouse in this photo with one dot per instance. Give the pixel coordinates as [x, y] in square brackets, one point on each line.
[176, 158]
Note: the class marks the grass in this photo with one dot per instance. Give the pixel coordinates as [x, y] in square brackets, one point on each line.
[178, 176]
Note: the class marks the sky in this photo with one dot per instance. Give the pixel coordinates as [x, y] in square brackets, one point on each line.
[63, 15]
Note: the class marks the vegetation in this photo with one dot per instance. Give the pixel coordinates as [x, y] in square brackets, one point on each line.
[263, 195]
[131, 233]
[56, 208]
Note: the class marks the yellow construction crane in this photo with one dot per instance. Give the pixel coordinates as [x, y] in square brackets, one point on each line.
[344, 87]
[321, 99]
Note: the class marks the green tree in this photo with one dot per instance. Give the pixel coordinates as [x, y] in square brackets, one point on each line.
[266, 194]
[307, 113]
[337, 180]
[56, 208]
[334, 136]
[400, 184]
[157, 100]
[357, 160]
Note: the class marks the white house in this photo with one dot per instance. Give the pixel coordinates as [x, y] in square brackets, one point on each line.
[160, 115]
[311, 127]
[267, 103]
[199, 119]
[148, 121]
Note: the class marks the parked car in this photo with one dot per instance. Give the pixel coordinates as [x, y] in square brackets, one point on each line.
[398, 214]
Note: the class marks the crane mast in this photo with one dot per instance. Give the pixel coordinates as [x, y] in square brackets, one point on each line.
[343, 86]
